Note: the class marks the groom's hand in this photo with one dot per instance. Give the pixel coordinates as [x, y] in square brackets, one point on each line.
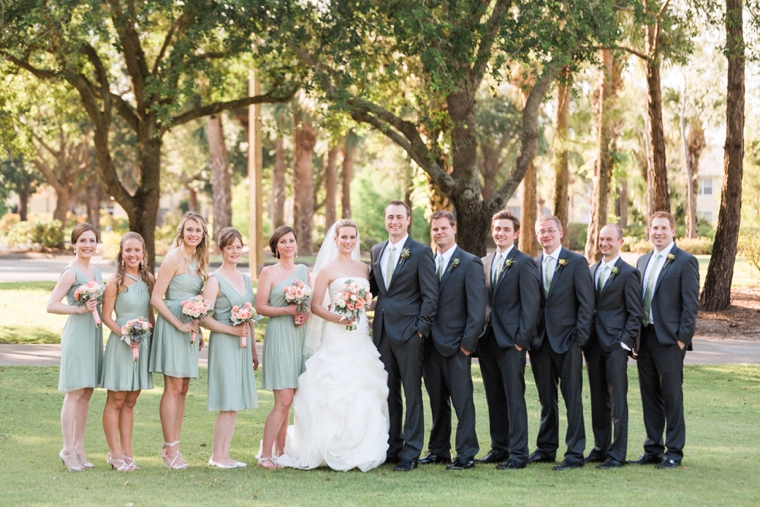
[465, 352]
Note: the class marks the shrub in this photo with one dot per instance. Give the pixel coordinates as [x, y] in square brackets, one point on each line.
[8, 221]
[576, 236]
[749, 247]
[37, 235]
[696, 246]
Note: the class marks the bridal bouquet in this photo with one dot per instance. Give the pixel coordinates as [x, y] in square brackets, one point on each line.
[298, 293]
[351, 300]
[90, 290]
[134, 332]
[244, 315]
[196, 308]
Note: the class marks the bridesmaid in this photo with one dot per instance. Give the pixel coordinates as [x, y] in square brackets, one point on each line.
[128, 292]
[81, 346]
[283, 340]
[180, 277]
[231, 381]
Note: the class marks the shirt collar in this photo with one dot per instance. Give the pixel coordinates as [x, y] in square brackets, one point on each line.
[505, 253]
[665, 251]
[447, 254]
[400, 243]
[555, 254]
[611, 263]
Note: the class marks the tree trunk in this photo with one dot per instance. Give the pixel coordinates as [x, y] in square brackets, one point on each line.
[331, 185]
[278, 182]
[220, 176]
[695, 143]
[94, 195]
[621, 206]
[716, 294]
[62, 202]
[192, 199]
[658, 170]
[527, 242]
[346, 175]
[561, 197]
[303, 202]
[23, 203]
[603, 165]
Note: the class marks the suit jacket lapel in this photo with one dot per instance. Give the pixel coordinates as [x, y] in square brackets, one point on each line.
[611, 276]
[643, 268]
[505, 267]
[378, 268]
[558, 269]
[487, 268]
[447, 270]
[593, 278]
[665, 267]
[401, 260]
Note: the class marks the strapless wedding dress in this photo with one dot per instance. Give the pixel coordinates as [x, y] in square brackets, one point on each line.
[341, 406]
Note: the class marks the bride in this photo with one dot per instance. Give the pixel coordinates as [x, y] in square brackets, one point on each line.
[341, 406]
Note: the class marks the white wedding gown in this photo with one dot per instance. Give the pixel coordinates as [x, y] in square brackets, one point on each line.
[341, 406]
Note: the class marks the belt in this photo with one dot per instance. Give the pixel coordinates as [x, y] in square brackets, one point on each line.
[649, 327]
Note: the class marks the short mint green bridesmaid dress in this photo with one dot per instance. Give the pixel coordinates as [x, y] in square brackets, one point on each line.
[172, 353]
[120, 371]
[81, 344]
[231, 382]
[283, 359]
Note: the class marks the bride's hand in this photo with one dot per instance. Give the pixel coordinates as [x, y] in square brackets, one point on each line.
[344, 320]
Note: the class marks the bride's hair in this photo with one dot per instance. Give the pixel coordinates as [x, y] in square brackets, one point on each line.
[345, 222]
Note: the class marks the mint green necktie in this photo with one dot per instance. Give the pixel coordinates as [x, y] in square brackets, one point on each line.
[440, 267]
[389, 265]
[497, 271]
[648, 293]
[603, 275]
[548, 274]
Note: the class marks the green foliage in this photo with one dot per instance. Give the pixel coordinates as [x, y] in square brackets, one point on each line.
[749, 247]
[8, 221]
[576, 235]
[695, 246]
[38, 235]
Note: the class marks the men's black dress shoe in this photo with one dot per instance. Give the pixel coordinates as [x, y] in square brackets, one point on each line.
[434, 458]
[540, 458]
[645, 459]
[510, 464]
[460, 464]
[405, 465]
[493, 457]
[668, 463]
[610, 463]
[391, 460]
[568, 465]
[594, 458]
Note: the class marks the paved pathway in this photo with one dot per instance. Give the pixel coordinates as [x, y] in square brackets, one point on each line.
[706, 352]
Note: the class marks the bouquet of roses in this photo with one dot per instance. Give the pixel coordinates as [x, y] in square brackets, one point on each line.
[90, 290]
[351, 301]
[242, 315]
[134, 332]
[298, 293]
[196, 308]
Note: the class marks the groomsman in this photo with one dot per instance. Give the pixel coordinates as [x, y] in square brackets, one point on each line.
[615, 328]
[567, 302]
[670, 292]
[514, 301]
[402, 276]
[457, 325]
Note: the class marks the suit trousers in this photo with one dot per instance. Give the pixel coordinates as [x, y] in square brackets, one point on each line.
[403, 363]
[608, 384]
[549, 369]
[448, 381]
[661, 382]
[503, 372]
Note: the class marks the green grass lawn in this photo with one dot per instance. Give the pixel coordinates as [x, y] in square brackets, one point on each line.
[720, 466]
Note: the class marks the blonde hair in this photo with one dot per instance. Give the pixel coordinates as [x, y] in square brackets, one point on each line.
[201, 251]
[144, 272]
[344, 222]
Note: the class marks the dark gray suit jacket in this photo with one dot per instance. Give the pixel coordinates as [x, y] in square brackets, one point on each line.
[675, 301]
[461, 304]
[408, 306]
[618, 310]
[515, 302]
[567, 311]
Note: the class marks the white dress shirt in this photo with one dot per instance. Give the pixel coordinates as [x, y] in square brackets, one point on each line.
[384, 259]
[446, 257]
[554, 255]
[611, 264]
[504, 255]
[664, 253]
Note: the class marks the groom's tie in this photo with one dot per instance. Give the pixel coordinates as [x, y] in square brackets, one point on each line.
[389, 267]
[440, 267]
[648, 293]
[497, 271]
[548, 275]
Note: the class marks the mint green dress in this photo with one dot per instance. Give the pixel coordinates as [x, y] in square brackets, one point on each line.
[81, 344]
[231, 382]
[283, 359]
[120, 371]
[172, 353]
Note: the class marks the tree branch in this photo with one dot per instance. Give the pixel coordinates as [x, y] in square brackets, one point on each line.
[631, 51]
[217, 107]
[486, 43]
[39, 73]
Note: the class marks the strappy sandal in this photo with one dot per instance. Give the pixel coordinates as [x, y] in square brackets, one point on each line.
[273, 461]
[178, 462]
[129, 460]
[124, 467]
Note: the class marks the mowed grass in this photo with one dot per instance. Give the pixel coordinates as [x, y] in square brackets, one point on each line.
[720, 467]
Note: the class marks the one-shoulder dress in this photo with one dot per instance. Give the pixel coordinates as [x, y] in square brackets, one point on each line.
[283, 359]
[231, 382]
[120, 371]
[172, 353]
[81, 343]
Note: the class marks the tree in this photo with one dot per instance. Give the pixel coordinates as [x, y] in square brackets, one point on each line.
[305, 140]
[331, 184]
[499, 121]
[350, 142]
[561, 195]
[716, 294]
[220, 175]
[412, 72]
[144, 61]
[18, 176]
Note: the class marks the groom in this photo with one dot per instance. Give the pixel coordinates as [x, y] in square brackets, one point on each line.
[402, 276]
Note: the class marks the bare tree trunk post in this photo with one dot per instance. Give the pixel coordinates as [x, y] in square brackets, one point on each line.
[691, 212]
[23, 205]
[278, 182]
[346, 175]
[695, 144]
[303, 205]
[255, 176]
[527, 242]
[331, 184]
[220, 176]
[94, 197]
[621, 206]
[716, 294]
[602, 166]
[658, 176]
[561, 197]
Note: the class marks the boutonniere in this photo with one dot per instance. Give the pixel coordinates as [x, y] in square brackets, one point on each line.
[560, 263]
[670, 258]
[615, 271]
[509, 262]
[454, 263]
[405, 253]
